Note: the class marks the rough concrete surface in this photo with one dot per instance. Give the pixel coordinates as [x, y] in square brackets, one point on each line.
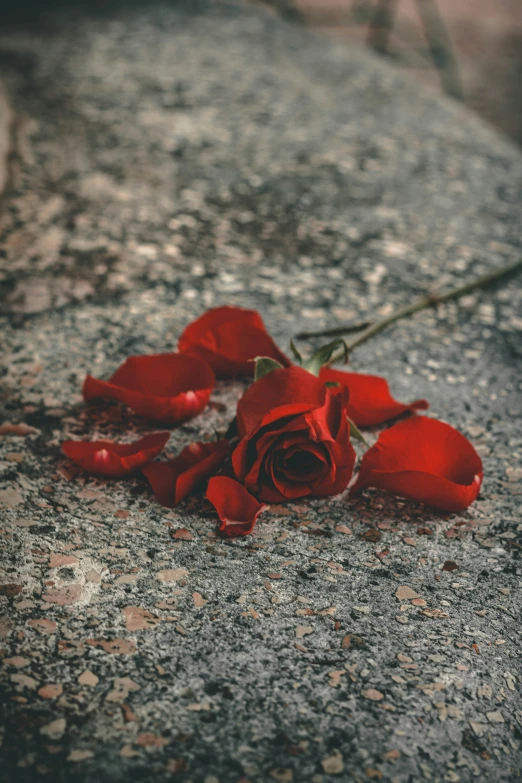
[169, 159]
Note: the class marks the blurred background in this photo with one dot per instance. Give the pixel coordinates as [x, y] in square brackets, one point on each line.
[470, 49]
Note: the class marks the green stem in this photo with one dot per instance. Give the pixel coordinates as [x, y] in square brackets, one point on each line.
[425, 302]
[348, 329]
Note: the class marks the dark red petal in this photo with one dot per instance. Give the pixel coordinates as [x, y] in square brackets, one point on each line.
[426, 460]
[237, 509]
[167, 387]
[173, 480]
[200, 330]
[292, 485]
[292, 389]
[229, 338]
[114, 460]
[370, 401]
[237, 360]
[249, 454]
[326, 422]
[343, 456]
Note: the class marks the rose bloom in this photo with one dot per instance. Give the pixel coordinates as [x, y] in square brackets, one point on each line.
[294, 437]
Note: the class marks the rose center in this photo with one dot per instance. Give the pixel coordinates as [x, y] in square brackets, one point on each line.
[302, 462]
[299, 465]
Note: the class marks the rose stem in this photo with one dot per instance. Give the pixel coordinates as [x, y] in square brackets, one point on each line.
[432, 300]
[348, 329]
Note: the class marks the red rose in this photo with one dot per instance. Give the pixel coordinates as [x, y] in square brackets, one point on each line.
[165, 387]
[114, 460]
[173, 480]
[294, 437]
[229, 338]
[370, 401]
[426, 460]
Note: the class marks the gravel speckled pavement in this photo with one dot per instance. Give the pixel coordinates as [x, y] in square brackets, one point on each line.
[172, 158]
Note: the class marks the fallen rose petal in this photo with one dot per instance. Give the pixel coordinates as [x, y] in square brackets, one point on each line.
[426, 460]
[370, 401]
[173, 480]
[229, 338]
[114, 460]
[165, 387]
[237, 509]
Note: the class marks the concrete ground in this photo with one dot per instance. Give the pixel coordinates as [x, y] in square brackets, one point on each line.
[168, 158]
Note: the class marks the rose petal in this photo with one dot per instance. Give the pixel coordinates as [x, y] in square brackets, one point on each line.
[370, 401]
[114, 460]
[229, 338]
[166, 387]
[426, 460]
[173, 480]
[237, 509]
[286, 392]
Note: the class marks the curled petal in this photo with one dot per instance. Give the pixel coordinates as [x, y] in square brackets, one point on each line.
[281, 393]
[173, 480]
[229, 338]
[165, 387]
[426, 460]
[237, 509]
[370, 401]
[114, 460]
